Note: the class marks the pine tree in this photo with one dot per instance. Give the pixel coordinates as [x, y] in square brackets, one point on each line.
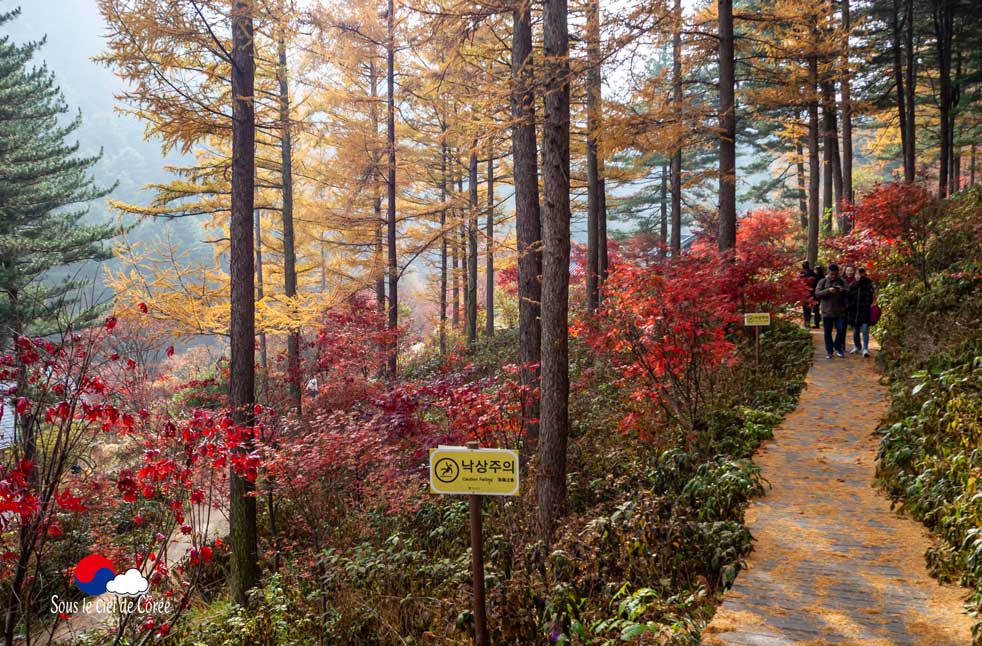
[45, 191]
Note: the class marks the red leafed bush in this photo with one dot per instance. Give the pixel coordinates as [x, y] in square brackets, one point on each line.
[665, 333]
[89, 474]
[897, 219]
[350, 354]
[764, 273]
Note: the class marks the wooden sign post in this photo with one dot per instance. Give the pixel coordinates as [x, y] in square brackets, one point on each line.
[756, 320]
[475, 472]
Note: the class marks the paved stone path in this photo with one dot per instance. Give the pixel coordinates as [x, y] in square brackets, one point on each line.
[832, 564]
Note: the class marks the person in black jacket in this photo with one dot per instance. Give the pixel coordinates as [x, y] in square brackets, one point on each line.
[862, 293]
[816, 303]
[808, 278]
[833, 292]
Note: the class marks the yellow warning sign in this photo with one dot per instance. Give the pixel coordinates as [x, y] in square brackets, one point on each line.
[487, 472]
[756, 318]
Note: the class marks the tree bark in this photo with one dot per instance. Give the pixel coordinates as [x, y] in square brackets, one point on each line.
[813, 167]
[898, 79]
[832, 147]
[242, 329]
[943, 16]
[663, 224]
[676, 170]
[260, 292]
[528, 223]
[603, 264]
[379, 263]
[463, 219]
[727, 125]
[827, 169]
[456, 256]
[954, 182]
[289, 241]
[551, 478]
[971, 177]
[802, 192]
[846, 88]
[489, 249]
[910, 91]
[393, 267]
[676, 162]
[445, 189]
[593, 88]
[472, 251]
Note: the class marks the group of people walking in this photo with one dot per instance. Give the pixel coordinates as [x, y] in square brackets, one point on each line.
[838, 301]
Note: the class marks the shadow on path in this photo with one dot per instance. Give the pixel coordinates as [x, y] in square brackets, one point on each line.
[832, 564]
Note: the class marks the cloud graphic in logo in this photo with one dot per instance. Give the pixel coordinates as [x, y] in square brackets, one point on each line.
[130, 584]
[93, 573]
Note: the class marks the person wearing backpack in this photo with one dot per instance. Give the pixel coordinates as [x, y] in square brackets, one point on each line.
[833, 293]
[862, 294]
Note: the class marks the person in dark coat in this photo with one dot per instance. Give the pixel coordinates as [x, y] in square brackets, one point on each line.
[808, 278]
[862, 293]
[833, 293]
[816, 309]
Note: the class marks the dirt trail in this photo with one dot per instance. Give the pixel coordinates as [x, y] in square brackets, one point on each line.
[832, 564]
[215, 522]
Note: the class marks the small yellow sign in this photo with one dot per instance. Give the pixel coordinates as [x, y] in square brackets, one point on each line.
[486, 472]
[756, 318]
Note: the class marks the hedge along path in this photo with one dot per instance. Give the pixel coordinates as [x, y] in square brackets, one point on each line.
[832, 564]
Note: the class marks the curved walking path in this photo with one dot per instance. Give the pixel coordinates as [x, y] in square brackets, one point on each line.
[832, 564]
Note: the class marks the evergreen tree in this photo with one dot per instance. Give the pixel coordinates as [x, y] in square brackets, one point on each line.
[45, 189]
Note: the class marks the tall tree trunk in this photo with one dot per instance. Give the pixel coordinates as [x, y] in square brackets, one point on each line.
[802, 192]
[463, 219]
[603, 263]
[445, 189]
[456, 251]
[528, 223]
[663, 224]
[489, 249]
[393, 268]
[676, 170]
[956, 169]
[943, 15]
[832, 144]
[910, 91]
[727, 126]
[242, 316]
[827, 169]
[289, 242]
[472, 251]
[846, 88]
[263, 352]
[551, 478]
[898, 79]
[455, 270]
[257, 225]
[813, 166]
[379, 263]
[954, 146]
[593, 108]
[971, 177]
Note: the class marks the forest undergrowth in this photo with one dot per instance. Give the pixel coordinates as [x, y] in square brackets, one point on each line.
[929, 461]
[654, 533]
